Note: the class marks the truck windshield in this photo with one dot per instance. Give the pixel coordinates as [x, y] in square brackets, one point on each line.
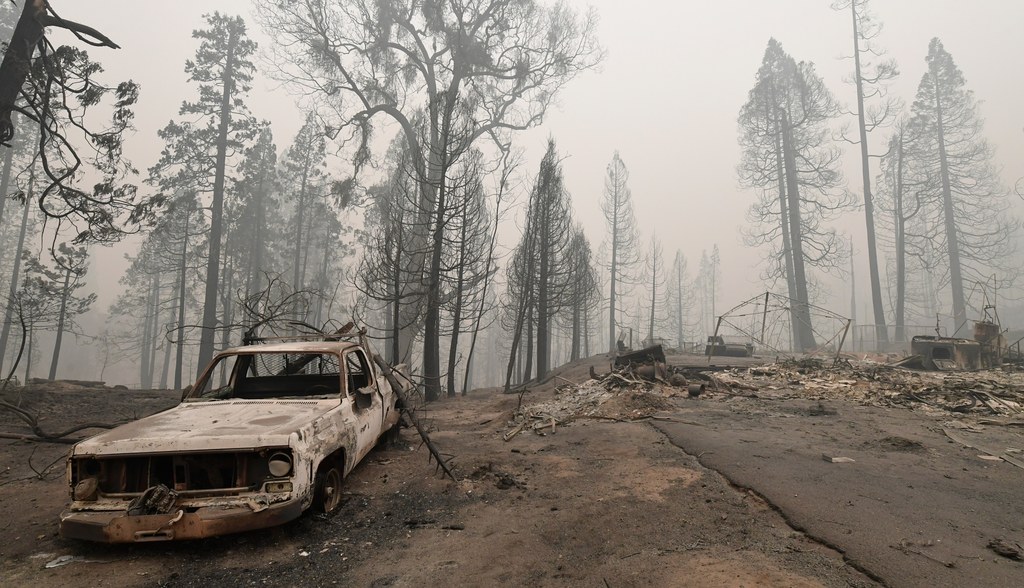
[271, 375]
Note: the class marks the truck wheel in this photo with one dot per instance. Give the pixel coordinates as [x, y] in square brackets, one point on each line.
[327, 497]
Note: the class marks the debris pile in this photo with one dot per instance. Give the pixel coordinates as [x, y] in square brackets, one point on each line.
[627, 393]
[980, 392]
[642, 385]
[1008, 549]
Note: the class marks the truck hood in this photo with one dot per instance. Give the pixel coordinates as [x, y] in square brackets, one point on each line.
[210, 426]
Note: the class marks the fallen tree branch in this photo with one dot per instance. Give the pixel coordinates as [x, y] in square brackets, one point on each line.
[508, 436]
[41, 474]
[23, 437]
[389, 375]
[78, 428]
[40, 435]
[907, 549]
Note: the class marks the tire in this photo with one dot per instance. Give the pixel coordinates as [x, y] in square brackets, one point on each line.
[327, 497]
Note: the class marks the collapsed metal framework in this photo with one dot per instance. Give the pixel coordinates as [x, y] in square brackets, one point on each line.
[772, 311]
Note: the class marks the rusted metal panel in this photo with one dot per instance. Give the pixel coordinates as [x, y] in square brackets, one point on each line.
[195, 426]
[120, 527]
[947, 353]
[993, 344]
[717, 346]
[649, 355]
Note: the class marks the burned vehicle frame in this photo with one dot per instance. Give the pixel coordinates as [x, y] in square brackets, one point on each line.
[267, 432]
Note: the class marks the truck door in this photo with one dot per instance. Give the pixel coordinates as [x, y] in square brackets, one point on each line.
[366, 403]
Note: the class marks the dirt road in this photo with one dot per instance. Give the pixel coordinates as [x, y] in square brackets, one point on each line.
[914, 508]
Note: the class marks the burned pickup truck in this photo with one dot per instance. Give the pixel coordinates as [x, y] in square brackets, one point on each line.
[267, 432]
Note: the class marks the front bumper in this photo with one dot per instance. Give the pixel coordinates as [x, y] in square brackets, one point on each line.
[119, 527]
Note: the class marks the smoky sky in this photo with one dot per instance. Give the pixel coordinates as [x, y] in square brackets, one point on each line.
[666, 98]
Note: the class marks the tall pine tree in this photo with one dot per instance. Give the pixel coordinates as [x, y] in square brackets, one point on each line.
[968, 206]
[197, 153]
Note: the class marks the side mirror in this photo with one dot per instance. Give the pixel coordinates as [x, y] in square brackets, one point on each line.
[185, 392]
[364, 397]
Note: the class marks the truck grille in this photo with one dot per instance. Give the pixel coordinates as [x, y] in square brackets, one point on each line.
[215, 473]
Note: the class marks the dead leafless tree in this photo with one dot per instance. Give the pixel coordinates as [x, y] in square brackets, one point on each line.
[870, 79]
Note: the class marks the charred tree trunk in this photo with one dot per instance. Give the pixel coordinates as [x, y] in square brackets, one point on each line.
[5, 184]
[395, 305]
[528, 360]
[16, 270]
[389, 331]
[64, 293]
[179, 353]
[467, 381]
[307, 248]
[17, 62]
[586, 332]
[543, 310]
[154, 339]
[325, 267]
[513, 357]
[432, 325]
[441, 155]
[396, 314]
[28, 333]
[147, 334]
[679, 306]
[165, 368]
[517, 337]
[881, 332]
[901, 247]
[206, 339]
[613, 270]
[803, 314]
[300, 210]
[225, 334]
[254, 273]
[577, 326]
[654, 296]
[956, 280]
[787, 247]
[460, 278]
